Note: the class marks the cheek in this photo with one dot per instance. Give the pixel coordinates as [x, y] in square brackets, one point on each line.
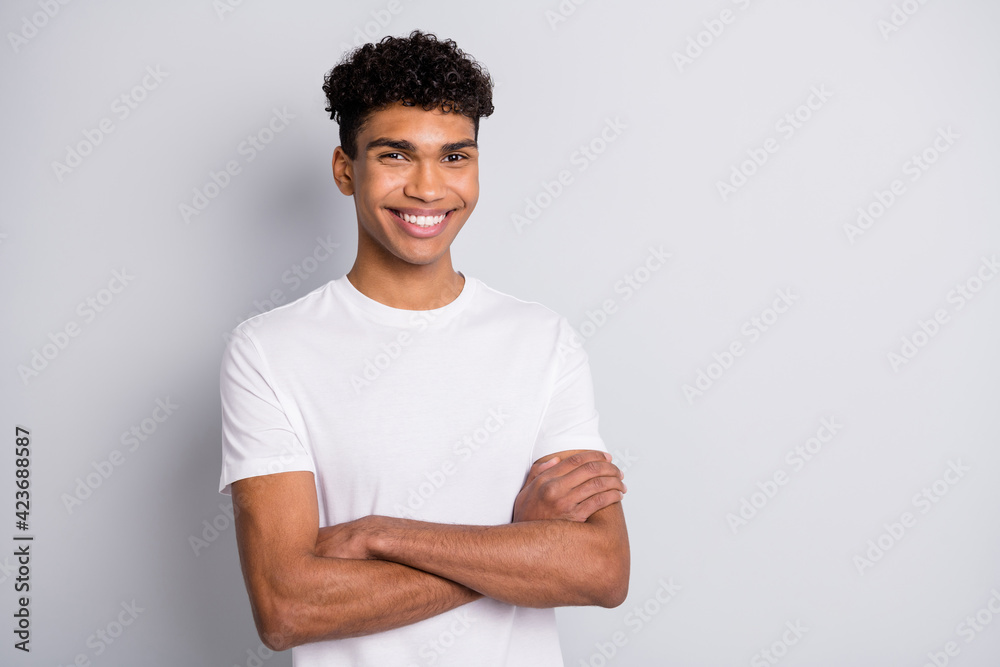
[378, 183]
[376, 194]
[468, 187]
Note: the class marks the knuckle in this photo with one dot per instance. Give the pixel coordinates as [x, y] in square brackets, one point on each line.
[588, 507]
[604, 499]
[608, 468]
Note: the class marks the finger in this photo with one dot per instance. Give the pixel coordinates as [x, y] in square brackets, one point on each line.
[562, 486]
[572, 498]
[596, 503]
[539, 468]
[592, 469]
[594, 486]
[578, 459]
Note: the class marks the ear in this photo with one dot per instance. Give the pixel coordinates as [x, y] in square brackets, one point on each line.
[343, 171]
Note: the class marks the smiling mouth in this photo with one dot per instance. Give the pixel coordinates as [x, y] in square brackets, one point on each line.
[421, 220]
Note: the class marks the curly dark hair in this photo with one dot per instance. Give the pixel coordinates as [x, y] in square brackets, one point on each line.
[416, 70]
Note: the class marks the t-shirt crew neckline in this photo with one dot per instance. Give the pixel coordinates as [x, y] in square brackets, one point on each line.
[384, 314]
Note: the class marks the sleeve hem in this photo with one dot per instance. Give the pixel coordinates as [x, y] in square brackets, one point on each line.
[260, 467]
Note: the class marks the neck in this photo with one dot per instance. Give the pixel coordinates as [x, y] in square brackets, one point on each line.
[408, 286]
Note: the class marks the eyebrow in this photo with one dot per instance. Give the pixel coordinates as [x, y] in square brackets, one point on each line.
[403, 145]
[458, 145]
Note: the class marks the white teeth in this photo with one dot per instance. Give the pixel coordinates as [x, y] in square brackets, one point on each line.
[421, 220]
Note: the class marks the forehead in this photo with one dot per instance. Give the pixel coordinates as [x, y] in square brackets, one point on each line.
[429, 129]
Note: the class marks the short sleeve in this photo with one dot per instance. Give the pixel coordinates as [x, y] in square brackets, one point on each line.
[257, 438]
[570, 418]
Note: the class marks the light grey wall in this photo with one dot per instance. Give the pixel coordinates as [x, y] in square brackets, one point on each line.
[885, 80]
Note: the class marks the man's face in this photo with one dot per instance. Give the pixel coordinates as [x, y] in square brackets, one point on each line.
[415, 181]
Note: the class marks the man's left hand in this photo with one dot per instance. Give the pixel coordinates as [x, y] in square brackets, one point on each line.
[346, 540]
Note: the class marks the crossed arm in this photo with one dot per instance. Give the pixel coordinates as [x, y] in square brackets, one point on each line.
[567, 545]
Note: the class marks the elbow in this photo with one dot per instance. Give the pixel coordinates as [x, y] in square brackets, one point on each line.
[614, 578]
[281, 616]
[613, 592]
[611, 564]
[285, 621]
[276, 641]
[275, 624]
[276, 602]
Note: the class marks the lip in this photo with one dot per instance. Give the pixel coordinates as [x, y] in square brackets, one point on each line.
[420, 232]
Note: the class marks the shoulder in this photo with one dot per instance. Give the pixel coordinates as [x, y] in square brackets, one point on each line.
[529, 326]
[284, 321]
[505, 307]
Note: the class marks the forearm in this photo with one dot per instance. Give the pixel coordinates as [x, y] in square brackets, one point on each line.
[333, 598]
[567, 546]
[545, 563]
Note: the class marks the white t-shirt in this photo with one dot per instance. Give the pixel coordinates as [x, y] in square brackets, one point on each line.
[434, 415]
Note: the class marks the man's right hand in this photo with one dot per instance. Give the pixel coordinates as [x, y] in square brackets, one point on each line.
[569, 485]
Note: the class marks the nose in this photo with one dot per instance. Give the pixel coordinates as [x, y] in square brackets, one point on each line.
[426, 182]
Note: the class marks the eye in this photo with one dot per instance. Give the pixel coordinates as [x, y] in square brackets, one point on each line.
[391, 156]
[459, 157]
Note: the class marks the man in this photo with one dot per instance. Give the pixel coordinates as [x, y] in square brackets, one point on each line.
[414, 457]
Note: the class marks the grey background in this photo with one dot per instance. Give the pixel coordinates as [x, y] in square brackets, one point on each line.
[689, 463]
